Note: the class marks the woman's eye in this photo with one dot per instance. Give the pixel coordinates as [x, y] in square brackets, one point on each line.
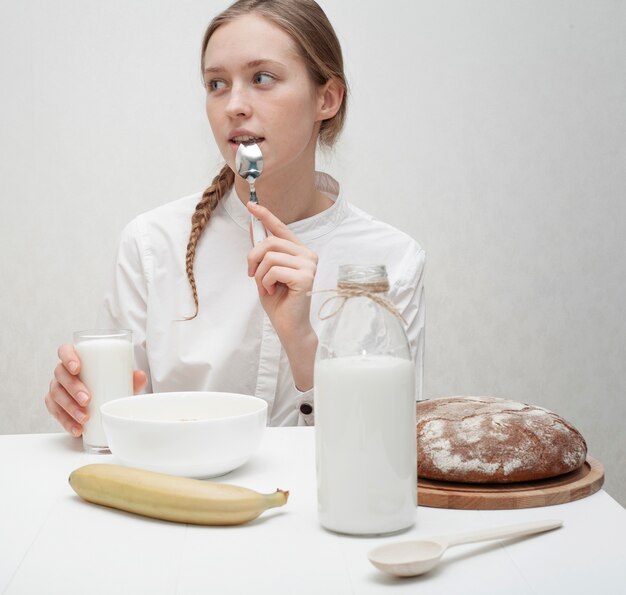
[215, 85]
[263, 78]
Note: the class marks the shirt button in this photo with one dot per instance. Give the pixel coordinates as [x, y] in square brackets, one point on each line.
[306, 409]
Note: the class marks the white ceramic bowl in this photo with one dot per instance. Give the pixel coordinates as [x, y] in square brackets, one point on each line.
[195, 434]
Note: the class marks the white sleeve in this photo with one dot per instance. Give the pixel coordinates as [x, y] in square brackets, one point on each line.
[125, 302]
[407, 294]
[304, 403]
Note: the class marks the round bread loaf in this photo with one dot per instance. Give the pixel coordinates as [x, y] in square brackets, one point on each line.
[489, 440]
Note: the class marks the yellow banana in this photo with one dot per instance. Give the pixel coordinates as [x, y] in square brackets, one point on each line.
[171, 498]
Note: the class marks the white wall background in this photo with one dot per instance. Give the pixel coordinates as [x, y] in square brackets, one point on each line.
[492, 131]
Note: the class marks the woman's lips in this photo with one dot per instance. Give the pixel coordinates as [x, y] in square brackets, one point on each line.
[245, 140]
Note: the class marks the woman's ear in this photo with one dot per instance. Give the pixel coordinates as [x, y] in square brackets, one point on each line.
[330, 97]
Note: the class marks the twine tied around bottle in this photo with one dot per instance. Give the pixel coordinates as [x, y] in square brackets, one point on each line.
[346, 290]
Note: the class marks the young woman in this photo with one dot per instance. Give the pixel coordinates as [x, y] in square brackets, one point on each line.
[208, 310]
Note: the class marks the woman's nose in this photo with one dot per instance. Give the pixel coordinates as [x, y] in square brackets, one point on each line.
[238, 102]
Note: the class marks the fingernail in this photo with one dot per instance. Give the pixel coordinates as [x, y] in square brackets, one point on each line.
[80, 417]
[82, 398]
[76, 431]
[73, 366]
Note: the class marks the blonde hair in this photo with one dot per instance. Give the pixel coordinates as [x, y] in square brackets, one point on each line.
[315, 39]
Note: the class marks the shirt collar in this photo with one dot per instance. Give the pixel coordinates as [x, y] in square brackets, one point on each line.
[306, 229]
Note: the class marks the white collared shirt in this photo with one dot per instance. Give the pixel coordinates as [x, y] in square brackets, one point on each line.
[231, 345]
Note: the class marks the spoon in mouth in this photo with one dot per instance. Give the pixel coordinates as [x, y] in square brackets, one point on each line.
[411, 558]
[249, 164]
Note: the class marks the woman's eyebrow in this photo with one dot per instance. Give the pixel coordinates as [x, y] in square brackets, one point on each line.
[263, 62]
[251, 64]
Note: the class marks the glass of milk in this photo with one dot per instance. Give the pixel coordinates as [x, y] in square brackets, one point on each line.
[106, 369]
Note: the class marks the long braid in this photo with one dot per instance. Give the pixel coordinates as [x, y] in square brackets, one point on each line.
[221, 184]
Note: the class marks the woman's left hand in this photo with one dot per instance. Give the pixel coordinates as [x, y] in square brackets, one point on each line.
[284, 270]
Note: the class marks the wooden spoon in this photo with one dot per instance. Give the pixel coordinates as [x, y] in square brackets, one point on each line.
[410, 558]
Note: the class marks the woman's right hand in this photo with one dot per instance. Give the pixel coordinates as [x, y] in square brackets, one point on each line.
[68, 398]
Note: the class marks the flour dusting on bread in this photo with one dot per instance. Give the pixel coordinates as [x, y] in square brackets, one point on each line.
[485, 440]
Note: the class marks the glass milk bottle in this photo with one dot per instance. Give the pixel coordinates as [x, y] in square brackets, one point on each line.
[366, 458]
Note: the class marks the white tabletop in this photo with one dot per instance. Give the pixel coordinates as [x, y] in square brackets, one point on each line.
[53, 542]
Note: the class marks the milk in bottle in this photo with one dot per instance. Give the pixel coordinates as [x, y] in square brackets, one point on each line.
[366, 459]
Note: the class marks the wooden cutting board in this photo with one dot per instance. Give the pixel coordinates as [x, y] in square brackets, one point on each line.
[544, 492]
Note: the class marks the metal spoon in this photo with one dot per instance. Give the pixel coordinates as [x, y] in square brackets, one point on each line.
[410, 558]
[249, 164]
